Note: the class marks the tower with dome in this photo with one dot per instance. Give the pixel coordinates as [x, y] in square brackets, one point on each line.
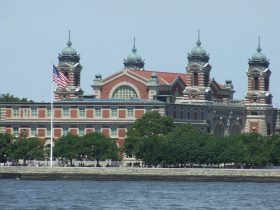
[69, 65]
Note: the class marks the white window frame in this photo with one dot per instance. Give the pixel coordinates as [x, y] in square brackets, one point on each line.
[16, 112]
[82, 112]
[114, 113]
[65, 112]
[114, 132]
[130, 113]
[34, 112]
[98, 113]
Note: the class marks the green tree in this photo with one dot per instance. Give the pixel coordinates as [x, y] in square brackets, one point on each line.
[5, 146]
[151, 124]
[68, 147]
[28, 149]
[274, 146]
[234, 150]
[151, 151]
[256, 147]
[210, 149]
[98, 147]
[7, 98]
[180, 145]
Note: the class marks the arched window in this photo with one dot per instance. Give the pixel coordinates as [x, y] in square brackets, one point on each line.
[266, 84]
[195, 79]
[256, 83]
[125, 92]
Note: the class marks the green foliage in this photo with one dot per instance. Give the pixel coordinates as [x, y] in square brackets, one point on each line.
[257, 153]
[5, 146]
[67, 146]
[7, 98]
[151, 150]
[28, 149]
[155, 140]
[94, 146]
[98, 147]
[274, 146]
[234, 151]
[151, 125]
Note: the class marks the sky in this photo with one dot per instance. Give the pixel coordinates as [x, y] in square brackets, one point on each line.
[33, 32]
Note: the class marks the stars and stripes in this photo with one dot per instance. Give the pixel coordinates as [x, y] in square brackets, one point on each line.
[59, 78]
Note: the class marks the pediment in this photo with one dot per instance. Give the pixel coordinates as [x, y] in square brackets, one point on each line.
[122, 73]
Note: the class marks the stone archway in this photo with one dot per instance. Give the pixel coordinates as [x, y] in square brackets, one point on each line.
[219, 128]
[235, 128]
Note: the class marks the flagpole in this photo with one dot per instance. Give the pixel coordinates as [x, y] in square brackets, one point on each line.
[62, 82]
[51, 149]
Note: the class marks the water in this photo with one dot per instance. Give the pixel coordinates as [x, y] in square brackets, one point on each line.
[26, 194]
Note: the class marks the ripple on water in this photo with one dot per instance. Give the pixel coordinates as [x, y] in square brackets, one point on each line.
[26, 194]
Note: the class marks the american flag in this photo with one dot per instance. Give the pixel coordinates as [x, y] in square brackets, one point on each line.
[59, 78]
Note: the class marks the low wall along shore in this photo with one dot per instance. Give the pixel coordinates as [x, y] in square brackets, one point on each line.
[122, 173]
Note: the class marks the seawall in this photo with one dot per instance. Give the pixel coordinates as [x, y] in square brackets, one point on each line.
[170, 174]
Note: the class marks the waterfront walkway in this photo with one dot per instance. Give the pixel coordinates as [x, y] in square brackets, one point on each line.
[123, 173]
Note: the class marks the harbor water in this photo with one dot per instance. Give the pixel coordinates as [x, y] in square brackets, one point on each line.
[77, 194]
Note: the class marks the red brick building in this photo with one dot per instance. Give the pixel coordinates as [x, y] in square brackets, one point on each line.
[188, 96]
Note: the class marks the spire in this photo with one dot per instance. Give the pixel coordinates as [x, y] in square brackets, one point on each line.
[259, 45]
[134, 60]
[69, 43]
[198, 43]
[134, 49]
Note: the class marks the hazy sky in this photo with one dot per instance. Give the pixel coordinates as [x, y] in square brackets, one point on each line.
[33, 32]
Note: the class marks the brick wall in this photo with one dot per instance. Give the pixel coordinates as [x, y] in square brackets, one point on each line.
[122, 113]
[139, 113]
[42, 113]
[8, 113]
[105, 113]
[106, 89]
[41, 132]
[73, 113]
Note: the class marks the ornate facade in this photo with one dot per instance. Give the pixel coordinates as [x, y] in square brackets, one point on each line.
[121, 98]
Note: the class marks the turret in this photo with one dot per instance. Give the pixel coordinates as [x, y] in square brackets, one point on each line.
[134, 60]
[69, 65]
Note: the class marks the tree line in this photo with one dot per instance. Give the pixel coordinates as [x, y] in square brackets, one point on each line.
[93, 146]
[156, 141]
[7, 98]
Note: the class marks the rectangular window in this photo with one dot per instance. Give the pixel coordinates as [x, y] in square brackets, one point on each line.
[188, 115]
[81, 131]
[195, 115]
[148, 109]
[48, 132]
[97, 112]
[49, 112]
[114, 133]
[97, 129]
[82, 112]
[15, 129]
[16, 112]
[65, 131]
[114, 113]
[181, 114]
[34, 112]
[33, 132]
[130, 113]
[26, 113]
[202, 115]
[65, 112]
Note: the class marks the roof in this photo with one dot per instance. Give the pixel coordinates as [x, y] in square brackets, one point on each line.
[165, 78]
